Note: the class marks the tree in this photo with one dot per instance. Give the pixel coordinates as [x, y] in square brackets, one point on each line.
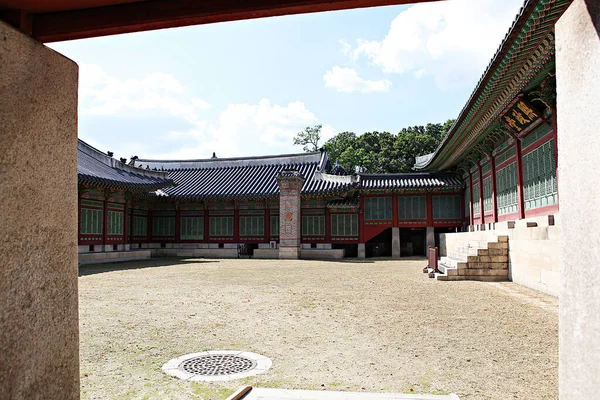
[309, 138]
[383, 152]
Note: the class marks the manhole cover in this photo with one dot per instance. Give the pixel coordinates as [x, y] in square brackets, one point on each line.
[217, 365]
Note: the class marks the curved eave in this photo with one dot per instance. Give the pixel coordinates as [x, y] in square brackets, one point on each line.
[109, 183]
[504, 78]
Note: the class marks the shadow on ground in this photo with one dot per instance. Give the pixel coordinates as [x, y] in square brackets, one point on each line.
[93, 269]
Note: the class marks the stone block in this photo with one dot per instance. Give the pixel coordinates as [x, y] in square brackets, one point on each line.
[483, 272]
[503, 239]
[488, 265]
[483, 252]
[498, 245]
[492, 259]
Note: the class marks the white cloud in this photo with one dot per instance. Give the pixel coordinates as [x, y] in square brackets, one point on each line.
[451, 41]
[347, 80]
[247, 130]
[101, 94]
[238, 130]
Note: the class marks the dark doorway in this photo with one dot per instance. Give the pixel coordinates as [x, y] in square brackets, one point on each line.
[351, 250]
[380, 245]
[412, 242]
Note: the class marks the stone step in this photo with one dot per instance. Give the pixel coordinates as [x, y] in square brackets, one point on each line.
[447, 270]
[452, 262]
[479, 278]
[487, 259]
[483, 272]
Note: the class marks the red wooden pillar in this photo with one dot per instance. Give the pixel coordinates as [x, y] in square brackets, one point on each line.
[429, 209]
[494, 191]
[361, 221]
[206, 224]
[555, 138]
[132, 225]
[104, 222]
[480, 194]
[471, 218]
[267, 223]
[236, 224]
[327, 225]
[177, 223]
[149, 238]
[520, 194]
[125, 227]
[395, 210]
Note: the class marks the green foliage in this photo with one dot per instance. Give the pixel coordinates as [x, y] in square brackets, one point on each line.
[383, 152]
[309, 138]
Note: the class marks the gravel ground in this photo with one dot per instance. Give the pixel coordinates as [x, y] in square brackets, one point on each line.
[377, 326]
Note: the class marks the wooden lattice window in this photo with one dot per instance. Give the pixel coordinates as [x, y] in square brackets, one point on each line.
[274, 225]
[163, 226]
[221, 226]
[539, 177]
[378, 208]
[252, 225]
[487, 194]
[313, 225]
[446, 207]
[192, 228]
[506, 181]
[115, 222]
[91, 221]
[476, 199]
[344, 224]
[412, 207]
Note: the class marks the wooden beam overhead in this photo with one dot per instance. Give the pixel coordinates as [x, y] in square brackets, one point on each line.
[113, 19]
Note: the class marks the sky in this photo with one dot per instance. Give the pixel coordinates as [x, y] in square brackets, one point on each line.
[245, 88]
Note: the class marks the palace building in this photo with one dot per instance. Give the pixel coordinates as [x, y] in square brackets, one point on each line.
[494, 175]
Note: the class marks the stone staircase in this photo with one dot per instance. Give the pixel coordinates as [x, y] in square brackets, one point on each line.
[478, 261]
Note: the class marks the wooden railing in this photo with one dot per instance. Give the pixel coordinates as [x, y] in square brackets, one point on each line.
[432, 257]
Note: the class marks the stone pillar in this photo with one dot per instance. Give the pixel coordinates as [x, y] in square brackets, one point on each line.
[395, 242]
[362, 252]
[578, 107]
[39, 327]
[430, 237]
[290, 183]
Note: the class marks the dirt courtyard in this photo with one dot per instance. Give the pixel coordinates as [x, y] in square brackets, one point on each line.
[375, 326]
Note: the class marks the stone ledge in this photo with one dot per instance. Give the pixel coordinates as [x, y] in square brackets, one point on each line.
[114, 256]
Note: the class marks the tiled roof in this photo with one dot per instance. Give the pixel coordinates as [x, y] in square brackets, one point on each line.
[408, 181]
[243, 178]
[97, 168]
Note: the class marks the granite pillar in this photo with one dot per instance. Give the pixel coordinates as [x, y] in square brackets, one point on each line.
[290, 218]
[362, 252]
[39, 343]
[429, 237]
[578, 107]
[395, 242]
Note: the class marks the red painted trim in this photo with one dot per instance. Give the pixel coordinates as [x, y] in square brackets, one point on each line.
[494, 191]
[177, 223]
[481, 211]
[236, 224]
[327, 225]
[429, 209]
[536, 212]
[538, 143]
[471, 215]
[125, 228]
[508, 217]
[104, 222]
[206, 225]
[361, 221]
[555, 137]
[520, 194]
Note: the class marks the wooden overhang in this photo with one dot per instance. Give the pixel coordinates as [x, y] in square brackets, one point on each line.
[526, 50]
[58, 20]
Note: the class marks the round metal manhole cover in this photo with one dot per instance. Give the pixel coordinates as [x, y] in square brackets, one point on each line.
[217, 365]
